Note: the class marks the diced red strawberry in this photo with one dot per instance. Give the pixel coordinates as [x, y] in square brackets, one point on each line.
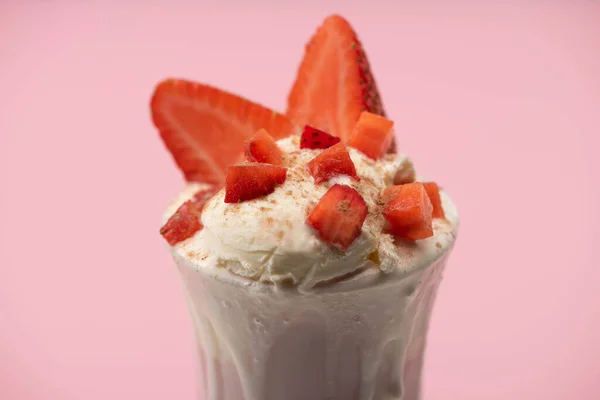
[433, 191]
[313, 138]
[262, 148]
[332, 162]
[408, 211]
[205, 128]
[186, 220]
[372, 135]
[339, 216]
[334, 83]
[415, 232]
[183, 224]
[252, 180]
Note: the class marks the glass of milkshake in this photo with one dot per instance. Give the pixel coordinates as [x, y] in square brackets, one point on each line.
[309, 251]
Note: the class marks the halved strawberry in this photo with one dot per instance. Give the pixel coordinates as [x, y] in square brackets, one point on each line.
[372, 135]
[433, 191]
[313, 138]
[332, 162]
[339, 215]
[186, 220]
[251, 180]
[205, 128]
[408, 211]
[262, 148]
[334, 83]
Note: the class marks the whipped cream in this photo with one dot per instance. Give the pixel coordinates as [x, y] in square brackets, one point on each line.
[267, 239]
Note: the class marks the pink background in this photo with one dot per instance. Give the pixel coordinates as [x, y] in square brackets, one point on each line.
[498, 101]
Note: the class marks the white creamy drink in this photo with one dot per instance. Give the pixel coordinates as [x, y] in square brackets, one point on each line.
[281, 315]
[310, 253]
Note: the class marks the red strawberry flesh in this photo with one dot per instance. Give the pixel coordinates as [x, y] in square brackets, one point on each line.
[313, 138]
[204, 128]
[408, 211]
[433, 191]
[186, 221]
[252, 180]
[372, 135]
[338, 217]
[334, 82]
[262, 148]
[332, 162]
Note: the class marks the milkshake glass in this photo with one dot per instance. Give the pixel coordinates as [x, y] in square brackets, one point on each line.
[356, 340]
[272, 326]
[310, 252]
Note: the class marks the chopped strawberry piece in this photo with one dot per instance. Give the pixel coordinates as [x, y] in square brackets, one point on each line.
[433, 191]
[252, 180]
[413, 233]
[332, 162]
[183, 224]
[262, 148]
[205, 128]
[313, 138]
[186, 220]
[408, 211]
[334, 83]
[372, 135]
[339, 215]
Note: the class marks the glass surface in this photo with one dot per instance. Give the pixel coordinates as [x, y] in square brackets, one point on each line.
[342, 342]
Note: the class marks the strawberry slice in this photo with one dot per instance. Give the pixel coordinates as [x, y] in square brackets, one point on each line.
[262, 148]
[313, 138]
[433, 191]
[334, 83]
[339, 215]
[372, 135]
[186, 220]
[252, 180]
[332, 162]
[205, 128]
[408, 211]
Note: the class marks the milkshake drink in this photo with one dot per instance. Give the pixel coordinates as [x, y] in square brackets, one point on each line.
[310, 252]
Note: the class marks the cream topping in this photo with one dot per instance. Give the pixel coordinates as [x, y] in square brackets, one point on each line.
[267, 239]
